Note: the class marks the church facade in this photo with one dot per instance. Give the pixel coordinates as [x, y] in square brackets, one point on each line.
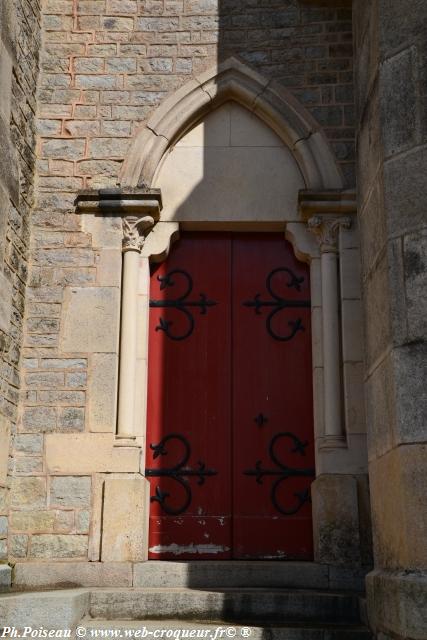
[212, 278]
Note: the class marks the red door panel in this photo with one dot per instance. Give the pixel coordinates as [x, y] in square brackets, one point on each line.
[189, 396]
[230, 437]
[273, 453]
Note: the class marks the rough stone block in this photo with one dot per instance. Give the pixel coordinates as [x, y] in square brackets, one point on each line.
[88, 453]
[405, 191]
[28, 465]
[3, 526]
[415, 266]
[410, 367]
[380, 408]
[28, 443]
[58, 546]
[71, 419]
[5, 577]
[350, 274]
[64, 521]
[36, 575]
[39, 419]
[32, 521]
[369, 143]
[28, 493]
[352, 326]
[90, 320]
[398, 102]
[398, 495]
[9, 173]
[18, 546]
[54, 610]
[5, 82]
[64, 149]
[106, 231]
[4, 500]
[5, 303]
[4, 447]
[108, 148]
[397, 603]
[372, 223]
[69, 491]
[126, 500]
[400, 23]
[102, 392]
[377, 313]
[234, 574]
[354, 400]
[335, 520]
[109, 268]
[82, 521]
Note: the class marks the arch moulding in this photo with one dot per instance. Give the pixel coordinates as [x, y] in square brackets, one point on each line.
[315, 230]
[232, 81]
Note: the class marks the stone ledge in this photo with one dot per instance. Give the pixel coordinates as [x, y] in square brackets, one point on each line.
[326, 201]
[36, 575]
[52, 610]
[120, 201]
[217, 574]
[89, 453]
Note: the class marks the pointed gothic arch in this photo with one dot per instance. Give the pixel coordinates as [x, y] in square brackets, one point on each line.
[233, 81]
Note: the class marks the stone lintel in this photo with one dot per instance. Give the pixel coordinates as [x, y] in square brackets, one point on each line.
[326, 201]
[120, 202]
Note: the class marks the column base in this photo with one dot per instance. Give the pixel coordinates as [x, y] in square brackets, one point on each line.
[332, 442]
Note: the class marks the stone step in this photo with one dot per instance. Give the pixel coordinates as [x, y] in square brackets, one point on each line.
[48, 609]
[133, 630]
[246, 605]
[236, 573]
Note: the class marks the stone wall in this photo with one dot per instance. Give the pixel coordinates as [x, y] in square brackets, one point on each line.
[19, 49]
[391, 84]
[106, 65]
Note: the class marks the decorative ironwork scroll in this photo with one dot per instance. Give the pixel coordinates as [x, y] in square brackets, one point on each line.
[278, 304]
[284, 472]
[179, 472]
[181, 303]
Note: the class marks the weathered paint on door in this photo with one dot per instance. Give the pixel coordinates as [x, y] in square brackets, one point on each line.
[230, 453]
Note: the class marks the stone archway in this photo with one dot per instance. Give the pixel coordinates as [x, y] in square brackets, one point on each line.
[233, 80]
[148, 233]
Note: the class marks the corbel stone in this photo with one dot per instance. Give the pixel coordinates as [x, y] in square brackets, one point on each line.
[139, 209]
[120, 201]
[326, 230]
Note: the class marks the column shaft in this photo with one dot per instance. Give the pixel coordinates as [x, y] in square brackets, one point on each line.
[331, 345]
[128, 344]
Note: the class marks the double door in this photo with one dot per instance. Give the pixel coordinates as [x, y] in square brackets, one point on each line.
[230, 452]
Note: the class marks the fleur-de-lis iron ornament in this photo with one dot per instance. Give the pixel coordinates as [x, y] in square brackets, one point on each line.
[181, 303]
[278, 304]
[179, 472]
[283, 472]
[261, 419]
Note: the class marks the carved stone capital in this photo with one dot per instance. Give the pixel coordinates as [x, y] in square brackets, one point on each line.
[326, 230]
[135, 228]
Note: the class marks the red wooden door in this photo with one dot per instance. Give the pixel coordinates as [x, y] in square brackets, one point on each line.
[230, 453]
[273, 453]
[189, 397]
